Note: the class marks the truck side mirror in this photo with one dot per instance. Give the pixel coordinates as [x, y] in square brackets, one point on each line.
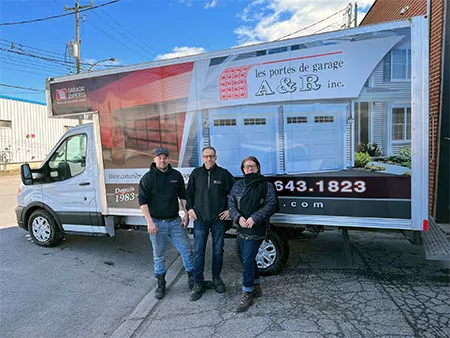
[25, 173]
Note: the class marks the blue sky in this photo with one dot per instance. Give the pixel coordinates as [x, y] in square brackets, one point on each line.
[137, 31]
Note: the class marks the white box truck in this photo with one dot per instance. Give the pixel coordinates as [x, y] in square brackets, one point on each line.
[338, 120]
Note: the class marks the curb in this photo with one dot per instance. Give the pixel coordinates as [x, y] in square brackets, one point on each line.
[146, 305]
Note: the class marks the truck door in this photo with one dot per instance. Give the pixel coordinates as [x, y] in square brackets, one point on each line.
[71, 190]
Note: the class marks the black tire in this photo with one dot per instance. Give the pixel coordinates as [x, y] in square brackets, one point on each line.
[272, 255]
[43, 229]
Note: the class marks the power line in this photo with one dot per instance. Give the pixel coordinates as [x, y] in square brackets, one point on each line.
[21, 45]
[334, 25]
[15, 92]
[20, 87]
[153, 50]
[57, 61]
[60, 62]
[28, 65]
[55, 16]
[24, 71]
[34, 56]
[110, 36]
[312, 25]
[113, 27]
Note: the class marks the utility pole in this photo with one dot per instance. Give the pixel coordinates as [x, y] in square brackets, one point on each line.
[356, 15]
[349, 15]
[76, 10]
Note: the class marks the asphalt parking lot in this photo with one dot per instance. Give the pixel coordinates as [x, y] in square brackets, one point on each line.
[390, 290]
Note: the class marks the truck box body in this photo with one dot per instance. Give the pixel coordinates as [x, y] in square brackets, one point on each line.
[307, 108]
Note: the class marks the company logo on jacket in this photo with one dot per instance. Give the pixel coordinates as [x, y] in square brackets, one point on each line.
[217, 182]
[173, 181]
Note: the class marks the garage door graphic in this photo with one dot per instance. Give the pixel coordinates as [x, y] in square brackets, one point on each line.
[314, 141]
[236, 136]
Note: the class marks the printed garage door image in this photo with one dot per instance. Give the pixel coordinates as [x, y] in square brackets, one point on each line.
[312, 141]
[236, 136]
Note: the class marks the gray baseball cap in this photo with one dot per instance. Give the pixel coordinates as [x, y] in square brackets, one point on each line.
[160, 151]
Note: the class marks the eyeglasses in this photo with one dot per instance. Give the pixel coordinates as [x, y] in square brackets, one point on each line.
[208, 156]
[250, 166]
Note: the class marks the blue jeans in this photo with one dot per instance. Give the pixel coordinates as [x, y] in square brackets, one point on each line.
[249, 250]
[174, 230]
[201, 232]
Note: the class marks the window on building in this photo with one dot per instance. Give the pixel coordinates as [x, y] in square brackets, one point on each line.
[401, 124]
[401, 64]
[5, 124]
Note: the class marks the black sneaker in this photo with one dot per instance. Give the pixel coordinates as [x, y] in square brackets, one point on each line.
[245, 301]
[197, 291]
[219, 285]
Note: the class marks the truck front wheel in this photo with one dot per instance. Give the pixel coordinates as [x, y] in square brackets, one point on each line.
[43, 229]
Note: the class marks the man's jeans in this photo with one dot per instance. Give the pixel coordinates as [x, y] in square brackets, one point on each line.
[173, 229]
[201, 231]
[249, 250]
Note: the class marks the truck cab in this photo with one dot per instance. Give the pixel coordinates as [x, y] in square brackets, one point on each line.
[62, 195]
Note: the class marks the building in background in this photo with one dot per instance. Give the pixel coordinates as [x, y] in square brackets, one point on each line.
[388, 10]
[26, 132]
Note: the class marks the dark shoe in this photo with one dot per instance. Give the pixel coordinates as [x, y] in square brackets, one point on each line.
[208, 284]
[257, 292]
[190, 280]
[197, 291]
[219, 285]
[161, 286]
[245, 301]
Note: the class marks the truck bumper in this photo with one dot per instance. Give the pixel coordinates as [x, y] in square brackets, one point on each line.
[20, 217]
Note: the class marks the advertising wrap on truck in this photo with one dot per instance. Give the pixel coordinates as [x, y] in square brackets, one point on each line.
[337, 120]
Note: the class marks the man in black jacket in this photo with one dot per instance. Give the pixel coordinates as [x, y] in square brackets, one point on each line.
[207, 195]
[159, 191]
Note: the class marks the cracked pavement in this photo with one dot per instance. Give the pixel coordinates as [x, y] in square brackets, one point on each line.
[389, 290]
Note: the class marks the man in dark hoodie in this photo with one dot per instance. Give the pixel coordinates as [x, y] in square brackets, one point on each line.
[159, 191]
[207, 195]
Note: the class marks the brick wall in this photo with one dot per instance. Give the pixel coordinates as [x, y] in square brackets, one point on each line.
[389, 10]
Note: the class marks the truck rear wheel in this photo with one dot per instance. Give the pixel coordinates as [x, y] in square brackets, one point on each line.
[43, 229]
[272, 254]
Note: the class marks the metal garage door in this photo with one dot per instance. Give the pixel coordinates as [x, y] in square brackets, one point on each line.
[236, 136]
[314, 141]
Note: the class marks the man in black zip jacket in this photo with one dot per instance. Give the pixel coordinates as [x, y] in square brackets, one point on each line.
[207, 204]
[159, 191]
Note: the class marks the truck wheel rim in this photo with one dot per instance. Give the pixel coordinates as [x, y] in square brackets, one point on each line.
[267, 254]
[41, 229]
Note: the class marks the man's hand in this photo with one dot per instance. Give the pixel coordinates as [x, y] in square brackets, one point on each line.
[224, 215]
[185, 220]
[250, 222]
[242, 222]
[151, 228]
[192, 214]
